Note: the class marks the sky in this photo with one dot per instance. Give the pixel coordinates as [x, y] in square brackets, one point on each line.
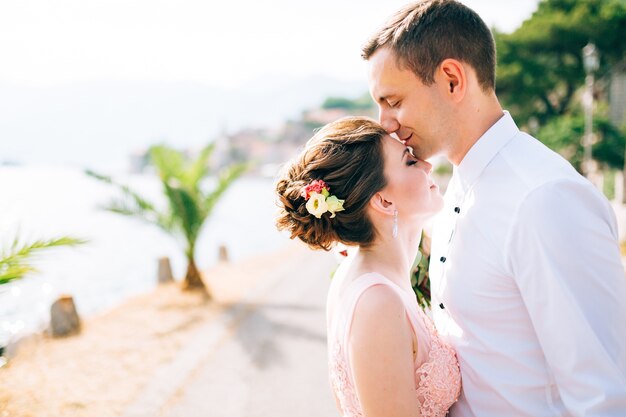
[47, 43]
[87, 83]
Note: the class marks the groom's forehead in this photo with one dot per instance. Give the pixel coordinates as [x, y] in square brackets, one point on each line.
[383, 88]
[382, 64]
[385, 77]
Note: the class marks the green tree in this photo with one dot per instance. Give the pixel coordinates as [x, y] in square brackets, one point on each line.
[564, 133]
[16, 261]
[189, 204]
[540, 65]
[361, 103]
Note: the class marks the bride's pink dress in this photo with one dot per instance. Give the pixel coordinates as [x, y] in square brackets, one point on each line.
[437, 375]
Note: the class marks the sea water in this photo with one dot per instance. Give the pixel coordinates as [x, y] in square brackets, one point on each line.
[120, 258]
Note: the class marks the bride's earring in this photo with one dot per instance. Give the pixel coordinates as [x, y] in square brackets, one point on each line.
[395, 224]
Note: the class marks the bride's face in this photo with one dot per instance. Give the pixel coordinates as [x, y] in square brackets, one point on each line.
[410, 186]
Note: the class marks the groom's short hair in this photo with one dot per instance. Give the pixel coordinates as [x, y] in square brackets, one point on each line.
[423, 34]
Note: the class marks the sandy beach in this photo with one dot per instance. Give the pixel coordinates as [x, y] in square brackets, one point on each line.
[99, 372]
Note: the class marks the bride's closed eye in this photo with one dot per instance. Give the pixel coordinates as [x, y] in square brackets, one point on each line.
[411, 159]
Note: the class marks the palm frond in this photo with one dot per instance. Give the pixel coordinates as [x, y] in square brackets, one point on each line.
[168, 162]
[133, 204]
[125, 208]
[140, 201]
[199, 168]
[13, 272]
[184, 209]
[226, 178]
[16, 261]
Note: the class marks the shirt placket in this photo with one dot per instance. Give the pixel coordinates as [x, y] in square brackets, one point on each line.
[444, 256]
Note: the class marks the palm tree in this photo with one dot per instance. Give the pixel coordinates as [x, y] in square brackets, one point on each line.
[189, 204]
[16, 261]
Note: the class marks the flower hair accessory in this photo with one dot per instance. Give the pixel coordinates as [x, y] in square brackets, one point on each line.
[319, 200]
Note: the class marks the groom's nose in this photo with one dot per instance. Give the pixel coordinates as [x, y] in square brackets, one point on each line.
[387, 121]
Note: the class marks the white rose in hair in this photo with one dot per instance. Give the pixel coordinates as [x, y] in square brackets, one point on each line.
[317, 204]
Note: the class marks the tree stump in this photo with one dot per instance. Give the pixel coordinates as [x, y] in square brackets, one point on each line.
[165, 271]
[64, 320]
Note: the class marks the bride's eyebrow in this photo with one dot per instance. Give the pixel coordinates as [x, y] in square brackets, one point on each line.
[406, 150]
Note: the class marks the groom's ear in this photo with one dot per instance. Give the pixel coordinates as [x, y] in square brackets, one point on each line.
[454, 78]
[381, 205]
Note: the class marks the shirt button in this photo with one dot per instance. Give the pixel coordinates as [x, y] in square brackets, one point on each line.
[442, 259]
[441, 306]
[457, 209]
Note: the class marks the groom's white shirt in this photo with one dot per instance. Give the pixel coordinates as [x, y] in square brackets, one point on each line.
[528, 285]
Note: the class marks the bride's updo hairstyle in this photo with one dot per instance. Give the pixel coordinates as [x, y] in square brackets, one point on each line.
[347, 156]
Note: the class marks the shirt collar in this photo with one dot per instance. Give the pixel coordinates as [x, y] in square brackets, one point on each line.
[484, 150]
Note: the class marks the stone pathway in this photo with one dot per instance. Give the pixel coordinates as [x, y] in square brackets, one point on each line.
[265, 356]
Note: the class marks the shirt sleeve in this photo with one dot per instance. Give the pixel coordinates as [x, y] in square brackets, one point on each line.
[563, 252]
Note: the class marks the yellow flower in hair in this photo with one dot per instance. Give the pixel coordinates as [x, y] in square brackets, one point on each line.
[334, 205]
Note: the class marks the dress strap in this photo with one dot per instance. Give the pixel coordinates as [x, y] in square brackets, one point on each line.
[353, 293]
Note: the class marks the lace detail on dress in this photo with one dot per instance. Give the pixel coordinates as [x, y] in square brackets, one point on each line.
[439, 378]
[437, 374]
[340, 382]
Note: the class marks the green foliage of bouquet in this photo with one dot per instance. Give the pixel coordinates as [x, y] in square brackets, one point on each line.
[420, 281]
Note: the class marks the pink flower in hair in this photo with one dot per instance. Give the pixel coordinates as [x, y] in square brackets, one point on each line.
[317, 193]
[317, 186]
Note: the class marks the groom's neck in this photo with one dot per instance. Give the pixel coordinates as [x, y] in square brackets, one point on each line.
[477, 116]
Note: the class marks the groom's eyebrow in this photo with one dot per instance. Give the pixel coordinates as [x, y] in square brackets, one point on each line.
[383, 98]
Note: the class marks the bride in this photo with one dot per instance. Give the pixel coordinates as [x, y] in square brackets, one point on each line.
[354, 184]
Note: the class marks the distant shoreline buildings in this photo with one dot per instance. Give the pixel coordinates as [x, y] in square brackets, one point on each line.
[266, 149]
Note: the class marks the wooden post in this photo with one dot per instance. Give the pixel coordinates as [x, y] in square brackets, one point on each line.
[165, 271]
[222, 254]
[64, 320]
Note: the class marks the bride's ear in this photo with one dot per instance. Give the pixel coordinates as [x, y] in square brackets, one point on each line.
[381, 205]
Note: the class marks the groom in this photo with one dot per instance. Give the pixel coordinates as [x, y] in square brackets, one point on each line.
[526, 277]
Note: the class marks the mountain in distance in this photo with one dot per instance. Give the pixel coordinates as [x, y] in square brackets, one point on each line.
[99, 124]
